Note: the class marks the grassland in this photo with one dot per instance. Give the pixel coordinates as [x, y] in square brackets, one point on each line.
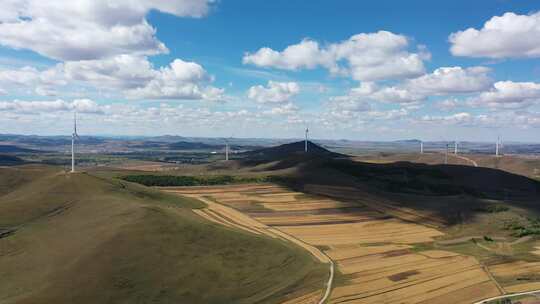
[79, 238]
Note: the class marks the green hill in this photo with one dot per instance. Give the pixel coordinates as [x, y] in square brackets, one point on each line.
[78, 238]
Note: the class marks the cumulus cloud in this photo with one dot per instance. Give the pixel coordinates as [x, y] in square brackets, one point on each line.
[88, 29]
[122, 71]
[274, 92]
[286, 109]
[447, 104]
[452, 80]
[305, 55]
[508, 36]
[508, 94]
[367, 57]
[59, 105]
[457, 118]
[29, 76]
[358, 98]
[409, 93]
[180, 80]
[133, 76]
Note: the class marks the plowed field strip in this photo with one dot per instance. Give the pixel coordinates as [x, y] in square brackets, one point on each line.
[418, 291]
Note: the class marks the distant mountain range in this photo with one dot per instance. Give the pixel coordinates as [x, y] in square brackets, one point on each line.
[173, 143]
[15, 149]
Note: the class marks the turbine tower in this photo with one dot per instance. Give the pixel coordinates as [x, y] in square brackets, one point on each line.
[74, 136]
[421, 147]
[305, 147]
[446, 155]
[226, 149]
[498, 146]
[455, 147]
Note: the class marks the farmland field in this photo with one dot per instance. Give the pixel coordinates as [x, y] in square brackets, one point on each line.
[381, 255]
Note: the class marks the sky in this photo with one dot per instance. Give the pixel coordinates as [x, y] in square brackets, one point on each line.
[358, 70]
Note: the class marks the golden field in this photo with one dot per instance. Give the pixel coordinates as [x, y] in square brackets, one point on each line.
[375, 247]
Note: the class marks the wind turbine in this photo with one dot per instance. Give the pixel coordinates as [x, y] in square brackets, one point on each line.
[305, 148]
[455, 147]
[226, 149]
[446, 154]
[74, 136]
[498, 146]
[421, 147]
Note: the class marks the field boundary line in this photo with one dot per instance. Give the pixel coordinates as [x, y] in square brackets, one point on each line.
[486, 269]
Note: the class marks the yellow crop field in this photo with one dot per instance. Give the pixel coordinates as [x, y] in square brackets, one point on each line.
[368, 242]
[390, 230]
[515, 268]
[522, 287]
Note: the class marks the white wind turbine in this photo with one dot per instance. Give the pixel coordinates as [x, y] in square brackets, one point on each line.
[447, 147]
[498, 146]
[227, 147]
[446, 154]
[305, 147]
[74, 136]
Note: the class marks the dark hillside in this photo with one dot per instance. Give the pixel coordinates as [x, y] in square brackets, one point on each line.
[438, 179]
[10, 160]
[15, 149]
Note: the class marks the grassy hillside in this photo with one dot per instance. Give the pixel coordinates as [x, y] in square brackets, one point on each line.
[77, 238]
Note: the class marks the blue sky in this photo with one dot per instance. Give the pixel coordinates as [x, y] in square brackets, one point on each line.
[364, 70]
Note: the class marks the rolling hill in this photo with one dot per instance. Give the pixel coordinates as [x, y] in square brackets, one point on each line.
[79, 238]
[286, 151]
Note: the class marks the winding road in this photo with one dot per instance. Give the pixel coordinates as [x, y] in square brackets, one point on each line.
[507, 296]
[465, 159]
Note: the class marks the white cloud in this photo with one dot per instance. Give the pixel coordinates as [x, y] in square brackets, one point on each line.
[368, 57]
[507, 36]
[46, 91]
[508, 94]
[59, 105]
[358, 98]
[393, 114]
[88, 29]
[134, 76]
[396, 95]
[122, 71]
[180, 80]
[409, 93]
[43, 82]
[274, 92]
[451, 80]
[457, 118]
[286, 109]
[305, 55]
[29, 76]
[447, 104]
